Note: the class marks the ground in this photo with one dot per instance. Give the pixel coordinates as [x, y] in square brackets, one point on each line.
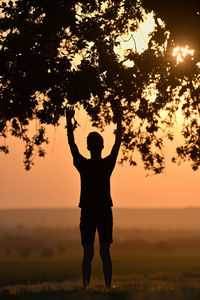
[144, 273]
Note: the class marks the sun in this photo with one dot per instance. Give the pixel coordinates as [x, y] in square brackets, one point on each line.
[181, 52]
[138, 42]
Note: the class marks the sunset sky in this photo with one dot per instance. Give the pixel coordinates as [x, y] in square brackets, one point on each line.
[54, 182]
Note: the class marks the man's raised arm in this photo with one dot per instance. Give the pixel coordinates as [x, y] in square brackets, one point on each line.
[70, 132]
[118, 134]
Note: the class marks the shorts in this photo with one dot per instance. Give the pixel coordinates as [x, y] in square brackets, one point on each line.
[100, 219]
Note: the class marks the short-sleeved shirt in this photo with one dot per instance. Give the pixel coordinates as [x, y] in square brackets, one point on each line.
[95, 180]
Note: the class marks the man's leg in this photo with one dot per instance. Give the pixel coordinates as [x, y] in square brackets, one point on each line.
[87, 262]
[107, 263]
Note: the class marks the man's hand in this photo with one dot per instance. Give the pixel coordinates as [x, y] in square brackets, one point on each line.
[70, 112]
[71, 126]
[117, 111]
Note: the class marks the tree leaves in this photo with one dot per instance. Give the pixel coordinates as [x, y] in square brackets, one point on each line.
[53, 52]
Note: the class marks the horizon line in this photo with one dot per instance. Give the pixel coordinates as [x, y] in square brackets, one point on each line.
[114, 207]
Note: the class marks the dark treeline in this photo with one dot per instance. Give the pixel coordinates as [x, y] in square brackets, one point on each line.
[48, 242]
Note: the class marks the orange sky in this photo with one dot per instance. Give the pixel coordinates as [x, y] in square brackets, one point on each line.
[54, 182]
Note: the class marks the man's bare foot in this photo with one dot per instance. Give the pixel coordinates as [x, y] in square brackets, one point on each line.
[86, 285]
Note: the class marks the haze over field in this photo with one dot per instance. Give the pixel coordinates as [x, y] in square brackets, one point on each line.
[156, 219]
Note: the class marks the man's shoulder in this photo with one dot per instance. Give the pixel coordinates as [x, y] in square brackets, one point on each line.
[80, 157]
[79, 160]
[108, 158]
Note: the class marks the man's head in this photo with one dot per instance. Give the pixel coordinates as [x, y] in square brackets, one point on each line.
[95, 142]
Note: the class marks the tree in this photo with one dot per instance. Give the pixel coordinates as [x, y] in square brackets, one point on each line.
[181, 19]
[58, 52]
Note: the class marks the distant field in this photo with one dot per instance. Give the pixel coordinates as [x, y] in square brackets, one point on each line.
[162, 219]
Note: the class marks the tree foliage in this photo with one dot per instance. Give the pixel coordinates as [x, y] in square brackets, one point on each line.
[58, 52]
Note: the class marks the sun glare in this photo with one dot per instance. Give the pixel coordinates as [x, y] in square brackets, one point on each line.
[181, 52]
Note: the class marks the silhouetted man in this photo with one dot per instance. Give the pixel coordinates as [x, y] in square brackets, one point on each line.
[95, 199]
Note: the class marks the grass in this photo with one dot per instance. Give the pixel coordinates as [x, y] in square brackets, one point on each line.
[137, 274]
[123, 292]
[126, 263]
